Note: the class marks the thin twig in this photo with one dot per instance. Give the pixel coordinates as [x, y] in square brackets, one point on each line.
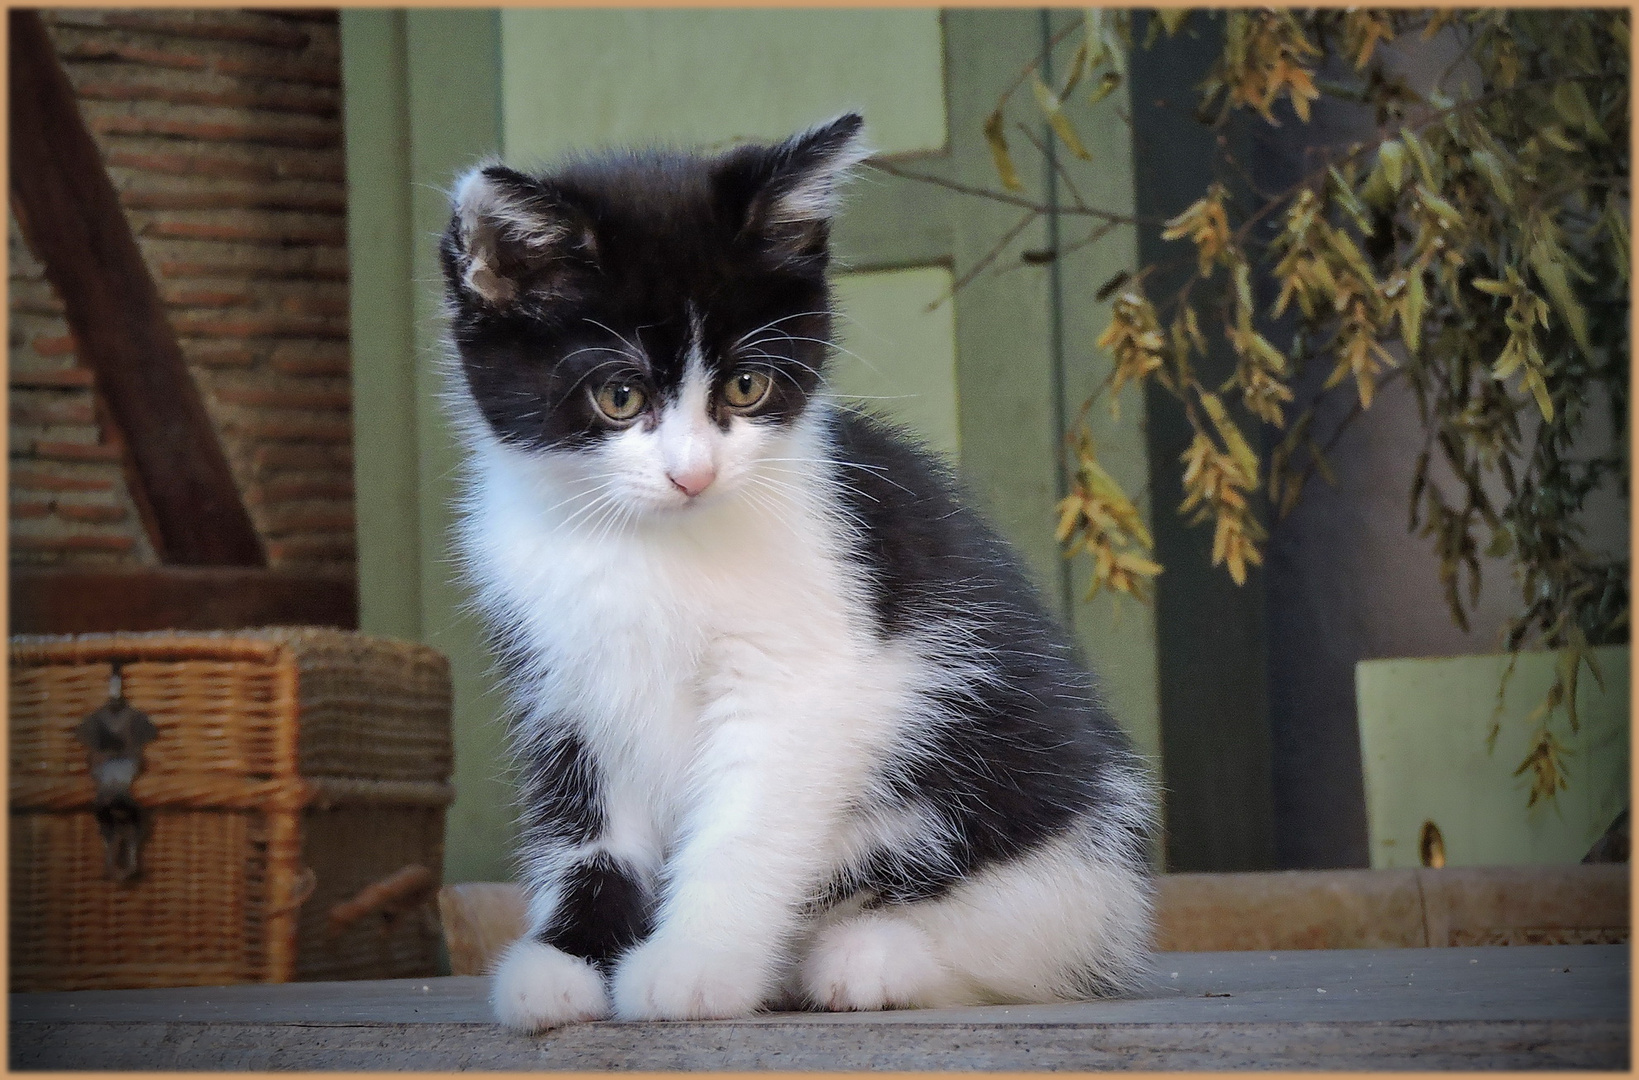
[989, 257]
[1058, 165]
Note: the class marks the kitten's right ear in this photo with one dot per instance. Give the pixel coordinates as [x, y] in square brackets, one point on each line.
[787, 194]
[511, 235]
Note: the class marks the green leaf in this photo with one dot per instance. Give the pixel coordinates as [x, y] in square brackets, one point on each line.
[1054, 110]
[998, 151]
[1106, 85]
[1420, 153]
[1552, 273]
[1571, 102]
[1491, 168]
[1078, 68]
[1411, 311]
[1173, 18]
[1391, 156]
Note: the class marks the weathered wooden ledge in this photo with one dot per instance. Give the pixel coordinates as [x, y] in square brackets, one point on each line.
[1522, 1007]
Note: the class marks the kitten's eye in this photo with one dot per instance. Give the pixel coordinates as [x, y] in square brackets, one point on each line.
[620, 401]
[746, 389]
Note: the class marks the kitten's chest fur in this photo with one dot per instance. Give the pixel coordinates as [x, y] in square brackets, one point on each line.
[631, 636]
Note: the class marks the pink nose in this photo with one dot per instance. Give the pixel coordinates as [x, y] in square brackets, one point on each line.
[693, 481]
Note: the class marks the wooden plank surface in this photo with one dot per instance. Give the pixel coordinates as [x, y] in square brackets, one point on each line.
[1529, 1007]
[56, 601]
[72, 219]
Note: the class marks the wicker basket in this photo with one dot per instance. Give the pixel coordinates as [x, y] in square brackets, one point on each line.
[294, 803]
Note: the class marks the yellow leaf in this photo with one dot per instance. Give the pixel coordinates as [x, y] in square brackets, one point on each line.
[1411, 312]
[1239, 450]
[998, 151]
[1054, 110]
[1106, 85]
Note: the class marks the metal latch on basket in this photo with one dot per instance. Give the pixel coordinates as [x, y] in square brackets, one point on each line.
[114, 736]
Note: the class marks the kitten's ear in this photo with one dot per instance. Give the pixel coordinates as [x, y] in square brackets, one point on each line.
[512, 235]
[787, 194]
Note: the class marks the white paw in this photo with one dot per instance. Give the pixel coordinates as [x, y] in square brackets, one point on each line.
[672, 979]
[875, 962]
[536, 987]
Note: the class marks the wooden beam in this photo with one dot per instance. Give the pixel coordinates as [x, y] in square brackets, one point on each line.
[53, 601]
[71, 217]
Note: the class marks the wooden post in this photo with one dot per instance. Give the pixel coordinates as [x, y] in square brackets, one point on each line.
[71, 216]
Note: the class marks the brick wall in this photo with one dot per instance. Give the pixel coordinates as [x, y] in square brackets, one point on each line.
[221, 131]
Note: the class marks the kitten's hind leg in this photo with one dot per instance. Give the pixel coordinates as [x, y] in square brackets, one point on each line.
[1059, 923]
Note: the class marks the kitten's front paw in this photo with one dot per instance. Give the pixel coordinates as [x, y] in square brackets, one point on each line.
[538, 987]
[665, 979]
[875, 962]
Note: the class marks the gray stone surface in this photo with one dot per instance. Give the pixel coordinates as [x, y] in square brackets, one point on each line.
[1554, 1007]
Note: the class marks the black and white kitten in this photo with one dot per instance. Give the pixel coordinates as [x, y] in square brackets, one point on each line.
[793, 726]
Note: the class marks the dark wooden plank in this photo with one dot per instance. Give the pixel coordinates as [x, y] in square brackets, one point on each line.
[1531, 1007]
[71, 217]
[52, 601]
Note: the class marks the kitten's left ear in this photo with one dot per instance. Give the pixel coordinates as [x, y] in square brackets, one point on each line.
[788, 194]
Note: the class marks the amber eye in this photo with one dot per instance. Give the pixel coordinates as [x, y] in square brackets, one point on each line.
[746, 389]
[620, 400]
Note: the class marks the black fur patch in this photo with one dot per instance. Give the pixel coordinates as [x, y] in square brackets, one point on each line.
[560, 793]
[1028, 750]
[604, 911]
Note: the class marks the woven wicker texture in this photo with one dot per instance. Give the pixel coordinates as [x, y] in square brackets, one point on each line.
[293, 766]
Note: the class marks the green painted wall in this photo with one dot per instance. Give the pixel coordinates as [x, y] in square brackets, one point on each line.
[1423, 728]
[897, 332]
[422, 103]
[577, 78]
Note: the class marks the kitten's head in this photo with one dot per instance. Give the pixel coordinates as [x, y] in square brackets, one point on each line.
[655, 322]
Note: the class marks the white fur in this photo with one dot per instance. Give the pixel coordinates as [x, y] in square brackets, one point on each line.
[717, 657]
[538, 987]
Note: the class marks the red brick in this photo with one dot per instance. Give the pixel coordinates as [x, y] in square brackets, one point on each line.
[274, 397]
[271, 97]
[318, 73]
[254, 270]
[37, 480]
[286, 522]
[315, 304]
[198, 297]
[259, 233]
[91, 513]
[42, 413]
[53, 378]
[256, 33]
[94, 49]
[54, 346]
[71, 451]
[252, 326]
[213, 354]
[191, 165]
[268, 458]
[323, 202]
[311, 359]
[77, 542]
[304, 487]
[310, 549]
[308, 135]
[317, 429]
